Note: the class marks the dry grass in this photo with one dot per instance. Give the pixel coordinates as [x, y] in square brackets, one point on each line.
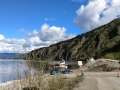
[44, 82]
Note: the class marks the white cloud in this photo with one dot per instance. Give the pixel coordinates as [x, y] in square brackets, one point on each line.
[97, 13]
[46, 36]
[52, 33]
[11, 45]
[1, 37]
[35, 41]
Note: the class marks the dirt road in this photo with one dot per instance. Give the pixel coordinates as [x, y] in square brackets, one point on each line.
[99, 81]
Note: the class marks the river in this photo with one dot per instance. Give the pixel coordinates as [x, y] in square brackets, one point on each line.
[13, 69]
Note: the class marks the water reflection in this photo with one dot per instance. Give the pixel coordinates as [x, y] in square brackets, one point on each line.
[12, 69]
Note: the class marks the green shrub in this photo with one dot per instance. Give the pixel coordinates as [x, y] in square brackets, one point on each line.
[112, 55]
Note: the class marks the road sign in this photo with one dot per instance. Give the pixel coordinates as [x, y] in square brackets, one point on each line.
[79, 63]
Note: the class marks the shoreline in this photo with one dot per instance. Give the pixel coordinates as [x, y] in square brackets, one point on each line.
[89, 70]
[9, 84]
[17, 83]
[12, 85]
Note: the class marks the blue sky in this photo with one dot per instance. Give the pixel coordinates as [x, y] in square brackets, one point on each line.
[40, 23]
[32, 14]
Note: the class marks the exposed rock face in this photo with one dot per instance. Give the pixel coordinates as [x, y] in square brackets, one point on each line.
[95, 43]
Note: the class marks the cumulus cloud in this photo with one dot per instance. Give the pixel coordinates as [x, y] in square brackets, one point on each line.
[97, 13]
[52, 33]
[11, 45]
[1, 37]
[44, 37]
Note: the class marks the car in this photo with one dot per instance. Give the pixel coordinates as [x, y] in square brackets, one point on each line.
[54, 71]
[57, 71]
[67, 71]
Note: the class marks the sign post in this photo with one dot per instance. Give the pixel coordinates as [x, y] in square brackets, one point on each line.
[80, 66]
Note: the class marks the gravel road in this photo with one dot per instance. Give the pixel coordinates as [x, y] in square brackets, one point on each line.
[99, 81]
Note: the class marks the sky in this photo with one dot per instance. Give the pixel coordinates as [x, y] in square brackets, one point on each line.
[26, 25]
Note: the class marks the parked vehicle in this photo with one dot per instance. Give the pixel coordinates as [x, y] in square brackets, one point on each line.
[60, 67]
[54, 71]
[67, 71]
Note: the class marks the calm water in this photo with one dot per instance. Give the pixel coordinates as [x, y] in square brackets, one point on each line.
[10, 69]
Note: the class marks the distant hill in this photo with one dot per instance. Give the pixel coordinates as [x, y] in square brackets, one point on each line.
[102, 42]
[11, 56]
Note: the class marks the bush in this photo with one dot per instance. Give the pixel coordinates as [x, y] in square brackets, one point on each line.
[112, 55]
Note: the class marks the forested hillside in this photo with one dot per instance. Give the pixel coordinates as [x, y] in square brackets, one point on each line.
[101, 42]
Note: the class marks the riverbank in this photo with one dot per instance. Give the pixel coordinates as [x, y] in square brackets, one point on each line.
[92, 81]
[96, 72]
[9, 85]
[41, 81]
